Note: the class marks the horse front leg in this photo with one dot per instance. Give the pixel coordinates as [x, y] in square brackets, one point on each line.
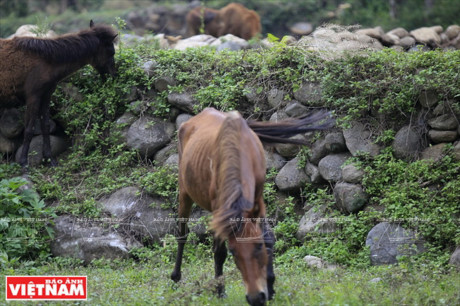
[220, 255]
[185, 205]
[269, 239]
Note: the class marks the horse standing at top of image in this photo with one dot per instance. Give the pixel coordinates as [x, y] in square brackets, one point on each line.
[30, 69]
[222, 169]
[232, 19]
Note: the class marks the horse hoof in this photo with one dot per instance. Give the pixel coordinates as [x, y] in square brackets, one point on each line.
[271, 293]
[175, 276]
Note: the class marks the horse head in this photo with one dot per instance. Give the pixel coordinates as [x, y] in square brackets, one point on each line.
[103, 61]
[249, 252]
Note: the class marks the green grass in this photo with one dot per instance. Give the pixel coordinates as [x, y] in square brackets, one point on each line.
[129, 282]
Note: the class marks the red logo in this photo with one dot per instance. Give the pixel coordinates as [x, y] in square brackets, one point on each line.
[46, 287]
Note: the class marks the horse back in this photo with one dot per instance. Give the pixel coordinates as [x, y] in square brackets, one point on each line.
[15, 67]
[196, 155]
[200, 158]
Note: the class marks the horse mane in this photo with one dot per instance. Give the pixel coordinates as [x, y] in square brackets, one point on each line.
[231, 203]
[69, 47]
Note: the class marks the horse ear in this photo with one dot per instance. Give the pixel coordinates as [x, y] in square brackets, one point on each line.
[91, 23]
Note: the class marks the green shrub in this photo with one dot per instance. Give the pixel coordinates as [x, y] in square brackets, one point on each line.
[25, 222]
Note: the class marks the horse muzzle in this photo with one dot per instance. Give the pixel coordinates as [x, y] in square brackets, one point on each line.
[257, 299]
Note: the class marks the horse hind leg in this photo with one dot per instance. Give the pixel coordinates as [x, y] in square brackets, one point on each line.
[45, 126]
[33, 108]
[220, 255]
[185, 205]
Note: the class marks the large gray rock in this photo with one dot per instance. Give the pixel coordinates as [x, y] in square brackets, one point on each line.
[290, 177]
[335, 142]
[11, 123]
[313, 174]
[407, 143]
[400, 32]
[358, 139]
[295, 109]
[184, 101]
[229, 46]
[149, 68]
[142, 214]
[162, 155]
[444, 122]
[147, 218]
[301, 28]
[172, 161]
[442, 136]
[315, 221]
[387, 241]
[89, 239]
[164, 82]
[288, 150]
[58, 145]
[194, 41]
[446, 107]
[452, 31]
[308, 93]
[428, 99]
[332, 143]
[181, 119]
[150, 221]
[349, 198]
[123, 123]
[149, 134]
[121, 202]
[352, 174]
[318, 263]
[434, 153]
[274, 160]
[330, 166]
[376, 32]
[278, 116]
[428, 36]
[242, 43]
[8, 146]
[275, 97]
[407, 42]
[455, 258]
[457, 150]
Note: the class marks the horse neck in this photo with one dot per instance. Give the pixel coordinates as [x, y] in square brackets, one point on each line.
[229, 191]
[228, 163]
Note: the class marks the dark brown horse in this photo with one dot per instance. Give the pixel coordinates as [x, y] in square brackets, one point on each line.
[222, 169]
[30, 69]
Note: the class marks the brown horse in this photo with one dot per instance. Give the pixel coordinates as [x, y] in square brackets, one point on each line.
[222, 169]
[30, 69]
[233, 19]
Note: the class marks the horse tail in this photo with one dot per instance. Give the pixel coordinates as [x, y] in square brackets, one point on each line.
[230, 200]
[279, 132]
